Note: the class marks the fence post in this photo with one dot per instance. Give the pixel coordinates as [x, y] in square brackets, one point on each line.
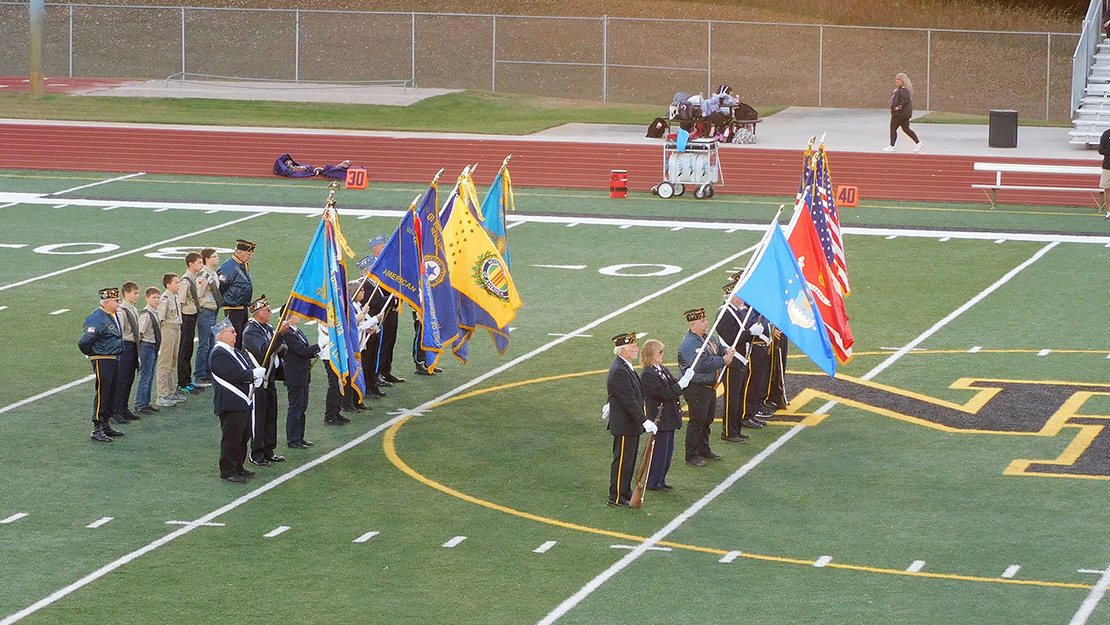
[928, 69]
[182, 43]
[412, 40]
[605, 58]
[709, 58]
[1047, 74]
[297, 46]
[71, 41]
[493, 59]
[820, 62]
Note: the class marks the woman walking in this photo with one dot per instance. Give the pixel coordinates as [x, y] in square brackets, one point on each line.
[901, 108]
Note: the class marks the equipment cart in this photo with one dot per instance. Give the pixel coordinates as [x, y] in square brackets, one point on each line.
[697, 165]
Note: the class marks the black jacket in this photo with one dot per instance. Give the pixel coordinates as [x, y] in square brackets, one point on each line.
[662, 392]
[234, 369]
[256, 340]
[298, 357]
[901, 105]
[626, 400]
[1104, 144]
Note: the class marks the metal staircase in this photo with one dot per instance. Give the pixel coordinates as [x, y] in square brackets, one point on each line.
[1090, 92]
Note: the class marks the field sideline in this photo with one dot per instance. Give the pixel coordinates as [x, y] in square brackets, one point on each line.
[910, 488]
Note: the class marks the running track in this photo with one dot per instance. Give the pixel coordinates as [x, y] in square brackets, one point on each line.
[415, 159]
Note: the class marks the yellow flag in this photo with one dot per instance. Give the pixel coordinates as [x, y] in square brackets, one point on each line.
[477, 270]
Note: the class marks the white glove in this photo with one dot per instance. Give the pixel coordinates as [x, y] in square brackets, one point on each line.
[650, 427]
[757, 328]
[684, 381]
[605, 411]
[259, 376]
[366, 324]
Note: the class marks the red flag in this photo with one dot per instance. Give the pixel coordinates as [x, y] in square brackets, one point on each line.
[815, 268]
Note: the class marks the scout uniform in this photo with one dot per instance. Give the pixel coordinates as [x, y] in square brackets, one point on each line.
[128, 318]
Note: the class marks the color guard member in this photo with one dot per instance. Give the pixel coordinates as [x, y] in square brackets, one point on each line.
[257, 336]
[235, 380]
[626, 418]
[701, 396]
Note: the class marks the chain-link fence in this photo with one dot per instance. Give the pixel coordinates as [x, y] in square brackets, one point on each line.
[606, 58]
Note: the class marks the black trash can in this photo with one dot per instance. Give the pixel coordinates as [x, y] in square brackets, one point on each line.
[1003, 129]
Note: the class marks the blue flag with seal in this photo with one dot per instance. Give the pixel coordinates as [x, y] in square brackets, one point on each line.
[774, 286]
[320, 294]
[499, 199]
[439, 315]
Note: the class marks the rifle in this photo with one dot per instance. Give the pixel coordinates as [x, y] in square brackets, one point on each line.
[642, 474]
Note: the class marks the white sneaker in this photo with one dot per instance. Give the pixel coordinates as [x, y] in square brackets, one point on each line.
[165, 402]
[917, 148]
[889, 148]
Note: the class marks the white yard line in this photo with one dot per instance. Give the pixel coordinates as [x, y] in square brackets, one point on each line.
[128, 253]
[285, 477]
[677, 522]
[1093, 597]
[58, 389]
[94, 184]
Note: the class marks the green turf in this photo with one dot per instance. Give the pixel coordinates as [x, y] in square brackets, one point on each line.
[873, 492]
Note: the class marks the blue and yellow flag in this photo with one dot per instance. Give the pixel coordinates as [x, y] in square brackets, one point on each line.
[775, 287]
[439, 313]
[398, 267]
[499, 199]
[320, 294]
[487, 295]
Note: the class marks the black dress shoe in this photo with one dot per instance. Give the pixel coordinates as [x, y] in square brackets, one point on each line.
[375, 392]
[234, 479]
[384, 382]
[422, 370]
[362, 406]
[711, 456]
[307, 442]
[247, 474]
[100, 437]
[655, 488]
[697, 462]
[619, 504]
[131, 415]
[668, 487]
[389, 377]
[275, 458]
[262, 462]
[119, 418]
[351, 408]
[751, 423]
[107, 429]
[342, 419]
[298, 445]
[735, 439]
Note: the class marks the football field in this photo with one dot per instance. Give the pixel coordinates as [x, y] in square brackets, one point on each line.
[951, 473]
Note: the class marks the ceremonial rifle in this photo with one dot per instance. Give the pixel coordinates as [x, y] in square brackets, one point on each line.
[642, 474]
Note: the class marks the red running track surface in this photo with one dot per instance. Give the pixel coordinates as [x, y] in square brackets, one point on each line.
[747, 170]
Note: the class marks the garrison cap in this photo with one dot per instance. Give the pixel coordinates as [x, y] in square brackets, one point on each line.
[259, 304]
[221, 326]
[736, 276]
[109, 293]
[245, 245]
[729, 287]
[621, 340]
[695, 314]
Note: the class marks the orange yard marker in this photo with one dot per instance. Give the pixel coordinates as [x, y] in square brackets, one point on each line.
[356, 178]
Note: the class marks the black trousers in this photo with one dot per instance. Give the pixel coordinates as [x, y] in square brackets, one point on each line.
[334, 398]
[264, 426]
[624, 463]
[185, 350]
[370, 364]
[661, 458]
[239, 318]
[759, 380]
[294, 419]
[736, 376]
[235, 428]
[702, 404]
[419, 356]
[904, 124]
[105, 368]
[388, 336]
[776, 391]
[125, 376]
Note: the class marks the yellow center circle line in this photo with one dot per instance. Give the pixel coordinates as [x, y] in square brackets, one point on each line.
[390, 448]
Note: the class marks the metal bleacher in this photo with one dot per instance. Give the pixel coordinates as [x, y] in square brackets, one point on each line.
[1091, 81]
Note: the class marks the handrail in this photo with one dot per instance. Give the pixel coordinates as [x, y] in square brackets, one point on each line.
[1085, 53]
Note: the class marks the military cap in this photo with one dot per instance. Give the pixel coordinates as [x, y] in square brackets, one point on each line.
[694, 314]
[259, 304]
[243, 244]
[221, 326]
[621, 340]
[736, 276]
[109, 293]
[729, 287]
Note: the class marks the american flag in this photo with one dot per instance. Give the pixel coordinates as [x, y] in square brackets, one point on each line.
[827, 222]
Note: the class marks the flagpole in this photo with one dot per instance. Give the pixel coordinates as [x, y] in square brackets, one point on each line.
[743, 279]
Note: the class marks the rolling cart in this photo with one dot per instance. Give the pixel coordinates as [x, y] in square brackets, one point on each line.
[697, 165]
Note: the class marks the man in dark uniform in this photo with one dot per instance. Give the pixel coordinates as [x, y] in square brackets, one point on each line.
[776, 391]
[626, 418]
[102, 342]
[380, 345]
[733, 332]
[701, 398]
[755, 389]
[298, 374]
[233, 400]
[257, 336]
[237, 287]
